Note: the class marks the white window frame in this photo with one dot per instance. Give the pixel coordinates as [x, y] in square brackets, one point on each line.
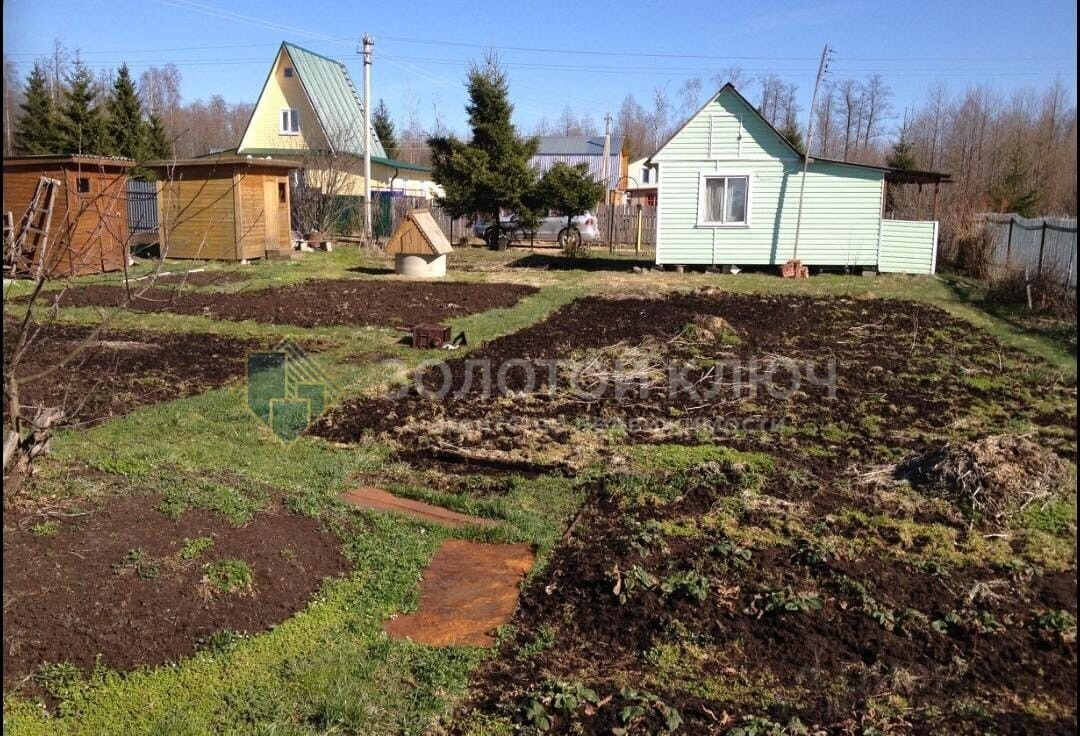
[293, 114]
[703, 177]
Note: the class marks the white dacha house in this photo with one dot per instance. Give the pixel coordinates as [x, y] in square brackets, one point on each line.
[729, 195]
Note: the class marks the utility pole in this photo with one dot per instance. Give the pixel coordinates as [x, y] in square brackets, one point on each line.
[822, 68]
[369, 43]
[605, 175]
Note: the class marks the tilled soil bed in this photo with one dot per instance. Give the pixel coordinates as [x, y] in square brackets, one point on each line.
[125, 582]
[317, 303]
[120, 370]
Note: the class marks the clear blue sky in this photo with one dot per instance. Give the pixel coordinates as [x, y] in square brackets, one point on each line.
[423, 46]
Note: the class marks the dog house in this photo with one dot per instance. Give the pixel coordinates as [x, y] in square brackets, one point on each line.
[226, 207]
[88, 228]
[419, 246]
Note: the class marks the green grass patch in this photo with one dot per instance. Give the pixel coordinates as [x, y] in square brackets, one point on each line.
[1054, 517]
[194, 548]
[229, 576]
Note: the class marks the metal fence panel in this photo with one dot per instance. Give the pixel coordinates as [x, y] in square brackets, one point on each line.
[141, 206]
[1045, 245]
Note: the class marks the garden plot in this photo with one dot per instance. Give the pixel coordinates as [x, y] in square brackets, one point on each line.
[321, 303]
[147, 578]
[786, 568]
[120, 370]
[907, 375]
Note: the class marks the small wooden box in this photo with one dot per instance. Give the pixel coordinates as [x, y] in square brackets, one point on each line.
[430, 336]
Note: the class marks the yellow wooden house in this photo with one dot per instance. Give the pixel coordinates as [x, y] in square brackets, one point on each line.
[309, 110]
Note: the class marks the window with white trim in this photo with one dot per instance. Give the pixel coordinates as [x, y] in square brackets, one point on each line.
[724, 200]
[290, 122]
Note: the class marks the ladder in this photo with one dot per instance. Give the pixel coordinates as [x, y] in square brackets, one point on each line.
[30, 239]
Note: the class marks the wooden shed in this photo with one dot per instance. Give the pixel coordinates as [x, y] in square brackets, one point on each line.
[225, 207]
[88, 231]
[419, 246]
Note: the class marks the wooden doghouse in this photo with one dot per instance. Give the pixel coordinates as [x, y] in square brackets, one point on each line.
[88, 232]
[226, 207]
[419, 246]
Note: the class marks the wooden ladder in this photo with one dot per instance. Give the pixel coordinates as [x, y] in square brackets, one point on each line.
[31, 237]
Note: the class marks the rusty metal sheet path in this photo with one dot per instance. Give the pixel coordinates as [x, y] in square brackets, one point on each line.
[468, 591]
[376, 499]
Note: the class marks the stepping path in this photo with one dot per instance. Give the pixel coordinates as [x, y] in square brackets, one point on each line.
[468, 591]
[376, 499]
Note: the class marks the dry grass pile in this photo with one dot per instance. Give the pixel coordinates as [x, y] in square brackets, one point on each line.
[995, 477]
[1049, 293]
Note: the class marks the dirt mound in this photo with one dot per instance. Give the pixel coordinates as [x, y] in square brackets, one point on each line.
[994, 477]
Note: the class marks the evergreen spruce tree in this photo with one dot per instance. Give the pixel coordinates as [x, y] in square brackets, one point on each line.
[384, 129]
[1012, 193]
[158, 145]
[37, 130]
[81, 128]
[902, 157]
[125, 128]
[491, 172]
[794, 136]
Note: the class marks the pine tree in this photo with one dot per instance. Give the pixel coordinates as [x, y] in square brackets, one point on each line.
[125, 129]
[81, 128]
[384, 129]
[37, 131]
[158, 145]
[491, 172]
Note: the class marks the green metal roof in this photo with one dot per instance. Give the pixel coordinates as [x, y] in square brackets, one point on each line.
[335, 99]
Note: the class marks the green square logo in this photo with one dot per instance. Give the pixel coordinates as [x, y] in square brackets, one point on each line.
[286, 389]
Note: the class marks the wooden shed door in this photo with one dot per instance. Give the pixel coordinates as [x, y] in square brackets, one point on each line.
[270, 214]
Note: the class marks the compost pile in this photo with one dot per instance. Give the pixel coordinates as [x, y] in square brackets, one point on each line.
[994, 477]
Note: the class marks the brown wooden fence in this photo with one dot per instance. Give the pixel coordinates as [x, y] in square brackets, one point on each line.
[624, 230]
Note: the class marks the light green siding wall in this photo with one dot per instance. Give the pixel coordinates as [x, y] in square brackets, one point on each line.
[908, 246]
[841, 209]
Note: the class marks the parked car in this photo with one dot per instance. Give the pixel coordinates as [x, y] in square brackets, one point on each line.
[551, 229]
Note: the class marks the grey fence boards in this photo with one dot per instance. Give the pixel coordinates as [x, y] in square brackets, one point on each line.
[141, 206]
[1045, 245]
